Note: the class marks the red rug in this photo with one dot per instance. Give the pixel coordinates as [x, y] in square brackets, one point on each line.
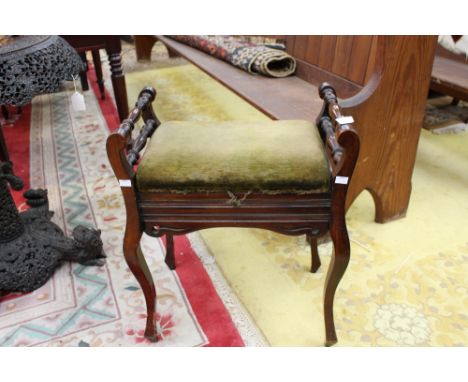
[208, 309]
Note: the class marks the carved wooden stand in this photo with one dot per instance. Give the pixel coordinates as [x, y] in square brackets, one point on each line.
[31, 246]
[170, 214]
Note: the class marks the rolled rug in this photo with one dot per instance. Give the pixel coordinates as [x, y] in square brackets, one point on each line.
[253, 58]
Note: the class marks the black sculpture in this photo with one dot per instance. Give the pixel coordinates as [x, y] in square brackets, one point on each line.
[33, 65]
[31, 246]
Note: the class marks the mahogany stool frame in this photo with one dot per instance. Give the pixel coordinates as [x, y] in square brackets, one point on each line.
[170, 214]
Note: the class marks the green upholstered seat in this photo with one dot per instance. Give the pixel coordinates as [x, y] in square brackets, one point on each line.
[269, 157]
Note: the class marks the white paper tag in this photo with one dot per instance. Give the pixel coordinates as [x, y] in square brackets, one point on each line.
[345, 120]
[125, 183]
[78, 102]
[341, 180]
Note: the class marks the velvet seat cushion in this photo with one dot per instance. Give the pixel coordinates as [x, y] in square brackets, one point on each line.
[268, 157]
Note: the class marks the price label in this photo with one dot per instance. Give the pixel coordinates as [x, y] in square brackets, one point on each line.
[345, 120]
[341, 180]
[78, 102]
[125, 183]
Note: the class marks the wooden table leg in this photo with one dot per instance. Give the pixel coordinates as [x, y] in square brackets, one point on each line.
[143, 46]
[98, 70]
[4, 157]
[113, 48]
[83, 73]
[5, 112]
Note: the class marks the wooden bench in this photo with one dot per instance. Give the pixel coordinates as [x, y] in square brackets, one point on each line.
[383, 82]
[450, 74]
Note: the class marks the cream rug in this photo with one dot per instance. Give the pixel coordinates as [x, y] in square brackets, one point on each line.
[407, 280]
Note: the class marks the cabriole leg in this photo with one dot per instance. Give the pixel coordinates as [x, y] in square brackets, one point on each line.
[338, 265]
[170, 258]
[98, 70]
[137, 264]
[315, 259]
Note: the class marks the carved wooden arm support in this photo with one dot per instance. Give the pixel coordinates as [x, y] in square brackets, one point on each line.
[146, 132]
[142, 107]
[122, 150]
[341, 140]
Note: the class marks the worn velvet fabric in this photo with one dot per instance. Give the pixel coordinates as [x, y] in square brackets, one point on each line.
[268, 157]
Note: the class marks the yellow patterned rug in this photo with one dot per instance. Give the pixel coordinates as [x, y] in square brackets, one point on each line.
[407, 280]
